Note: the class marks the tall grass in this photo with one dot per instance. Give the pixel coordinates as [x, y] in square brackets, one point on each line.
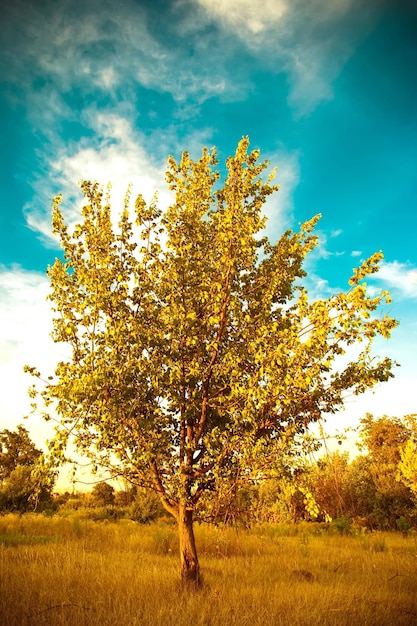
[76, 572]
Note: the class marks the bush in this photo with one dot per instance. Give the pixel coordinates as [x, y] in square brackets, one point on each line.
[146, 507]
[342, 525]
[403, 525]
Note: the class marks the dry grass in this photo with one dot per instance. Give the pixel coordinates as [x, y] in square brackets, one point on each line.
[65, 571]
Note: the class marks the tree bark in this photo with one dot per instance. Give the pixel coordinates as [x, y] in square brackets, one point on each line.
[190, 569]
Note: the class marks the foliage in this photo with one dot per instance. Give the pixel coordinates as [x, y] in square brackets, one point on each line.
[25, 481]
[384, 439]
[103, 494]
[329, 482]
[136, 504]
[284, 498]
[16, 449]
[197, 358]
[407, 465]
[145, 506]
[364, 492]
[367, 488]
[342, 525]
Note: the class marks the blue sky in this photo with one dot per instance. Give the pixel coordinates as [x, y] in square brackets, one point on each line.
[104, 90]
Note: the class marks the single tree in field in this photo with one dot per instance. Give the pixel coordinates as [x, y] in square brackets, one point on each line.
[196, 354]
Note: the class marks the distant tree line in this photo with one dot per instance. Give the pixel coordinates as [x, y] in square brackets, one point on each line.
[377, 489]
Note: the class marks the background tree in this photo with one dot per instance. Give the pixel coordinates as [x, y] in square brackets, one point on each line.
[25, 483]
[364, 493]
[197, 361]
[103, 494]
[16, 448]
[383, 438]
[145, 505]
[330, 485]
[387, 498]
[408, 466]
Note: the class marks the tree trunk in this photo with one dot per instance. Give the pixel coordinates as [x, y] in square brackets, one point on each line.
[190, 569]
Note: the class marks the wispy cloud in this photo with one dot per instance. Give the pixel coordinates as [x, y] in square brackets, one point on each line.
[55, 50]
[400, 278]
[115, 156]
[322, 250]
[245, 17]
[309, 42]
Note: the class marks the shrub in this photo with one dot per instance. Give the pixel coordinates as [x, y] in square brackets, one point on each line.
[342, 525]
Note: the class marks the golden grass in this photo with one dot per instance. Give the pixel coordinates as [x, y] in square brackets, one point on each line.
[66, 571]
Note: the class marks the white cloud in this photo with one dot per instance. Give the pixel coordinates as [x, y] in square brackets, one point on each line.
[392, 398]
[107, 78]
[317, 286]
[115, 156]
[355, 253]
[25, 326]
[70, 44]
[246, 16]
[400, 278]
[321, 251]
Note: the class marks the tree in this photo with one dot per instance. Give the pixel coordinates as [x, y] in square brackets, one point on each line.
[408, 465]
[384, 438]
[196, 354]
[365, 509]
[16, 448]
[330, 485]
[103, 494]
[25, 483]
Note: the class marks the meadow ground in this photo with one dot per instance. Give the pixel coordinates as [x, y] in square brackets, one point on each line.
[81, 573]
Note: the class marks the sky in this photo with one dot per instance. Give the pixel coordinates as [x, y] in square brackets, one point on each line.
[106, 91]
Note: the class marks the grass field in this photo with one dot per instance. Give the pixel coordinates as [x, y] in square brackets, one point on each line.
[69, 571]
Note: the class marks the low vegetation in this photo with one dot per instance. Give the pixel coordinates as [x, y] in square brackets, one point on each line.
[66, 570]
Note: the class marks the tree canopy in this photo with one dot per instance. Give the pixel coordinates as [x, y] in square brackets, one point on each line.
[25, 482]
[197, 356]
[16, 448]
